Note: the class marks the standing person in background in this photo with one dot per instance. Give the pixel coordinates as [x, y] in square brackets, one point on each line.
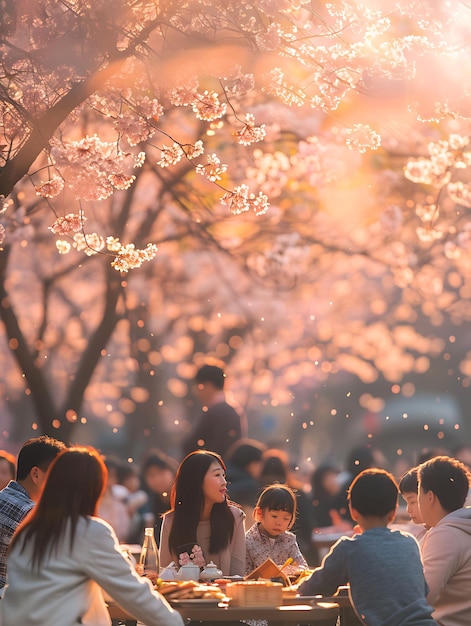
[18, 497]
[201, 516]
[62, 556]
[7, 468]
[446, 548]
[219, 424]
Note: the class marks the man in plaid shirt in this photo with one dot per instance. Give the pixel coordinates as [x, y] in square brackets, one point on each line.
[18, 497]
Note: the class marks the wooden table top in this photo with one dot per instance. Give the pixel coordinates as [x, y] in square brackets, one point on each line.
[319, 613]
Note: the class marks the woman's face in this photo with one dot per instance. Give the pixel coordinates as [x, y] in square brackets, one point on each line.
[5, 473]
[214, 484]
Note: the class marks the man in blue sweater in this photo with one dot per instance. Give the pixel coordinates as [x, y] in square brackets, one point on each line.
[382, 566]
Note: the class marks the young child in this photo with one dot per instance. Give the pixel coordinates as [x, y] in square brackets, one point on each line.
[409, 487]
[269, 537]
[382, 566]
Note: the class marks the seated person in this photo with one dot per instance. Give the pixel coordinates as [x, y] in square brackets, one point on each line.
[382, 566]
[408, 486]
[446, 548]
[244, 466]
[270, 537]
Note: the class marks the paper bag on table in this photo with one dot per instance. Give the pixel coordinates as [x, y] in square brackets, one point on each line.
[268, 569]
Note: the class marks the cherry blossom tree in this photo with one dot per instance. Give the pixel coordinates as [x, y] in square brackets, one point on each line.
[318, 149]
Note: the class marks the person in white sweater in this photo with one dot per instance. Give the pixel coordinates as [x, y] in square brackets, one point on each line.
[446, 548]
[62, 557]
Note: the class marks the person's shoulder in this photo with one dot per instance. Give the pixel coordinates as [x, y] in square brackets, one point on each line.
[95, 522]
[222, 406]
[14, 496]
[14, 490]
[402, 537]
[455, 523]
[95, 525]
[289, 536]
[252, 531]
[237, 511]
[454, 517]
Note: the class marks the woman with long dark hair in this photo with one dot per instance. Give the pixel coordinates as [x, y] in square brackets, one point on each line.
[61, 556]
[201, 516]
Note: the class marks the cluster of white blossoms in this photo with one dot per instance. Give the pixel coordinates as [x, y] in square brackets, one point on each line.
[250, 133]
[89, 243]
[170, 155]
[126, 256]
[460, 193]
[444, 155]
[129, 257]
[362, 137]
[50, 188]
[70, 223]
[445, 158]
[207, 106]
[92, 167]
[213, 169]
[241, 200]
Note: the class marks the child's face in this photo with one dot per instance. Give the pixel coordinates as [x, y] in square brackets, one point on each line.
[275, 522]
[413, 507]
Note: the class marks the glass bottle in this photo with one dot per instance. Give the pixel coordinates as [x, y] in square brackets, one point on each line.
[149, 558]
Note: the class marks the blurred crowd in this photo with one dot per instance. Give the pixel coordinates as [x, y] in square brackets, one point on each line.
[138, 492]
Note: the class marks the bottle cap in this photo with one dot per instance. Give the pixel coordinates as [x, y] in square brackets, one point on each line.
[149, 532]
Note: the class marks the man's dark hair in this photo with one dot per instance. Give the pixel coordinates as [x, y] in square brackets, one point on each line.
[157, 458]
[373, 493]
[37, 452]
[245, 451]
[409, 482]
[211, 374]
[447, 478]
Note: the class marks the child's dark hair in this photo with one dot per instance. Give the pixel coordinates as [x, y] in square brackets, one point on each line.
[278, 497]
[409, 482]
[373, 493]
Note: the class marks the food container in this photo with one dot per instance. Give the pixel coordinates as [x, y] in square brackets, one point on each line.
[190, 571]
[255, 593]
[210, 572]
[169, 572]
